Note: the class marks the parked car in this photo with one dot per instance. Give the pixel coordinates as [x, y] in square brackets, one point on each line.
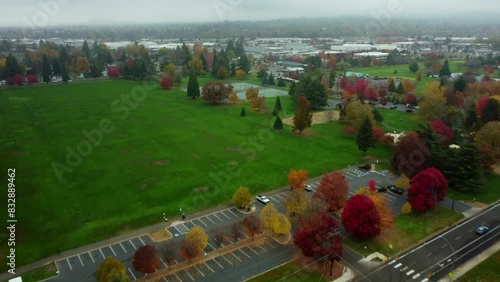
[309, 188]
[409, 110]
[396, 190]
[263, 199]
[482, 230]
[393, 107]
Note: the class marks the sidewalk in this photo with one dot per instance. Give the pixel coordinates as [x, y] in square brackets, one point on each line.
[470, 264]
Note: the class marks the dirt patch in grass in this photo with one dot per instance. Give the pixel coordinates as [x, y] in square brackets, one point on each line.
[160, 235]
[232, 149]
[200, 189]
[319, 117]
[496, 168]
[144, 186]
[161, 162]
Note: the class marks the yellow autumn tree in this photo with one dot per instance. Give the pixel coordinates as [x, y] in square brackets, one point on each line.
[406, 209]
[242, 197]
[297, 201]
[403, 182]
[433, 103]
[110, 269]
[197, 239]
[240, 74]
[266, 216]
[233, 98]
[82, 65]
[281, 224]
[387, 219]
[195, 65]
[408, 86]
[356, 113]
[252, 96]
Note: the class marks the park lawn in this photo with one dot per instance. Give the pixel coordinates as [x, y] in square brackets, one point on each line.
[40, 274]
[399, 121]
[288, 272]
[488, 194]
[410, 229]
[166, 153]
[483, 272]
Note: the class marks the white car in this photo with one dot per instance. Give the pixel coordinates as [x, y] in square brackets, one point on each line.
[309, 188]
[263, 199]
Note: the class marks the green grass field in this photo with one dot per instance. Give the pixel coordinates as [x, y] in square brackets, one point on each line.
[291, 271]
[488, 194]
[484, 272]
[165, 153]
[410, 229]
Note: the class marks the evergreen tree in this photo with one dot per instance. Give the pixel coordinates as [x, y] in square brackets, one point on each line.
[413, 66]
[11, 66]
[445, 69]
[63, 55]
[46, 71]
[278, 124]
[204, 62]
[238, 48]
[293, 89]
[214, 63]
[230, 46]
[331, 77]
[262, 74]
[95, 47]
[281, 82]
[400, 88]
[270, 79]
[244, 63]
[491, 111]
[193, 87]
[365, 138]
[460, 84]
[86, 49]
[64, 74]
[94, 72]
[264, 81]
[233, 69]
[56, 66]
[123, 57]
[392, 86]
[186, 54]
[243, 113]
[377, 115]
[277, 105]
[464, 168]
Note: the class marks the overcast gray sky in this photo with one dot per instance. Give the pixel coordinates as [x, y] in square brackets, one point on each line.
[55, 12]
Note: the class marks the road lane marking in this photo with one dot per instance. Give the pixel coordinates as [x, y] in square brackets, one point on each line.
[142, 241]
[233, 256]
[425, 280]
[398, 265]
[410, 272]
[189, 275]
[457, 238]
[80, 260]
[71, 268]
[112, 250]
[131, 273]
[132, 244]
[244, 253]
[227, 260]
[281, 197]
[102, 254]
[443, 246]
[222, 212]
[91, 257]
[209, 267]
[218, 264]
[428, 255]
[199, 271]
[416, 276]
[123, 247]
[404, 268]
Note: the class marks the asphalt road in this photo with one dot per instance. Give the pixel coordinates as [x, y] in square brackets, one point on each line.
[438, 256]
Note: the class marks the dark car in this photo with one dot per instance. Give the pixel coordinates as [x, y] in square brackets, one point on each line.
[482, 230]
[409, 110]
[393, 107]
[396, 190]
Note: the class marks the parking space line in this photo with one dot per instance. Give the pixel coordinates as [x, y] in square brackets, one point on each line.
[211, 246]
[244, 253]
[189, 275]
[164, 263]
[272, 198]
[262, 248]
[271, 245]
[91, 257]
[210, 219]
[244, 234]
[177, 277]
[144, 244]
[112, 250]
[218, 263]
[199, 271]
[217, 216]
[253, 250]
[71, 268]
[80, 259]
[280, 197]
[284, 194]
[230, 253]
[123, 247]
[222, 212]
[229, 210]
[132, 244]
[102, 254]
[209, 267]
[131, 273]
[202, 222]
[227, 260]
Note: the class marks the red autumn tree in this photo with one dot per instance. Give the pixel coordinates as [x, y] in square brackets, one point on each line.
[361, 86]
[316, 235]
[480, 105]
[351, 88]
[332, 190]
[442, 130]
[427, 188]
[343, 82]
[383, 101]
[361, 218]
[145, 259]
[350, 131]
[114, 72]
[378, 133]
[18, 79]
[371, 94]
[167, 82]
[216, 92]
[382, 92]
[296, 178]
[411, 99]
[252, 224]
[32, 78]
[410, 155]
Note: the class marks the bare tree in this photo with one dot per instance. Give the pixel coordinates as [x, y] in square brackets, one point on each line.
[218, 237]
[168, 251]
[235, 231]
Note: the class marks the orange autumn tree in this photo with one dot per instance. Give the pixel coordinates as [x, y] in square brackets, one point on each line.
[333, 190]
[387, 219]
[253, 98]
[296, 178]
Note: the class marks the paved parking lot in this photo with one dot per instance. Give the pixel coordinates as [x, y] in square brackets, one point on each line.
[208, 221]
